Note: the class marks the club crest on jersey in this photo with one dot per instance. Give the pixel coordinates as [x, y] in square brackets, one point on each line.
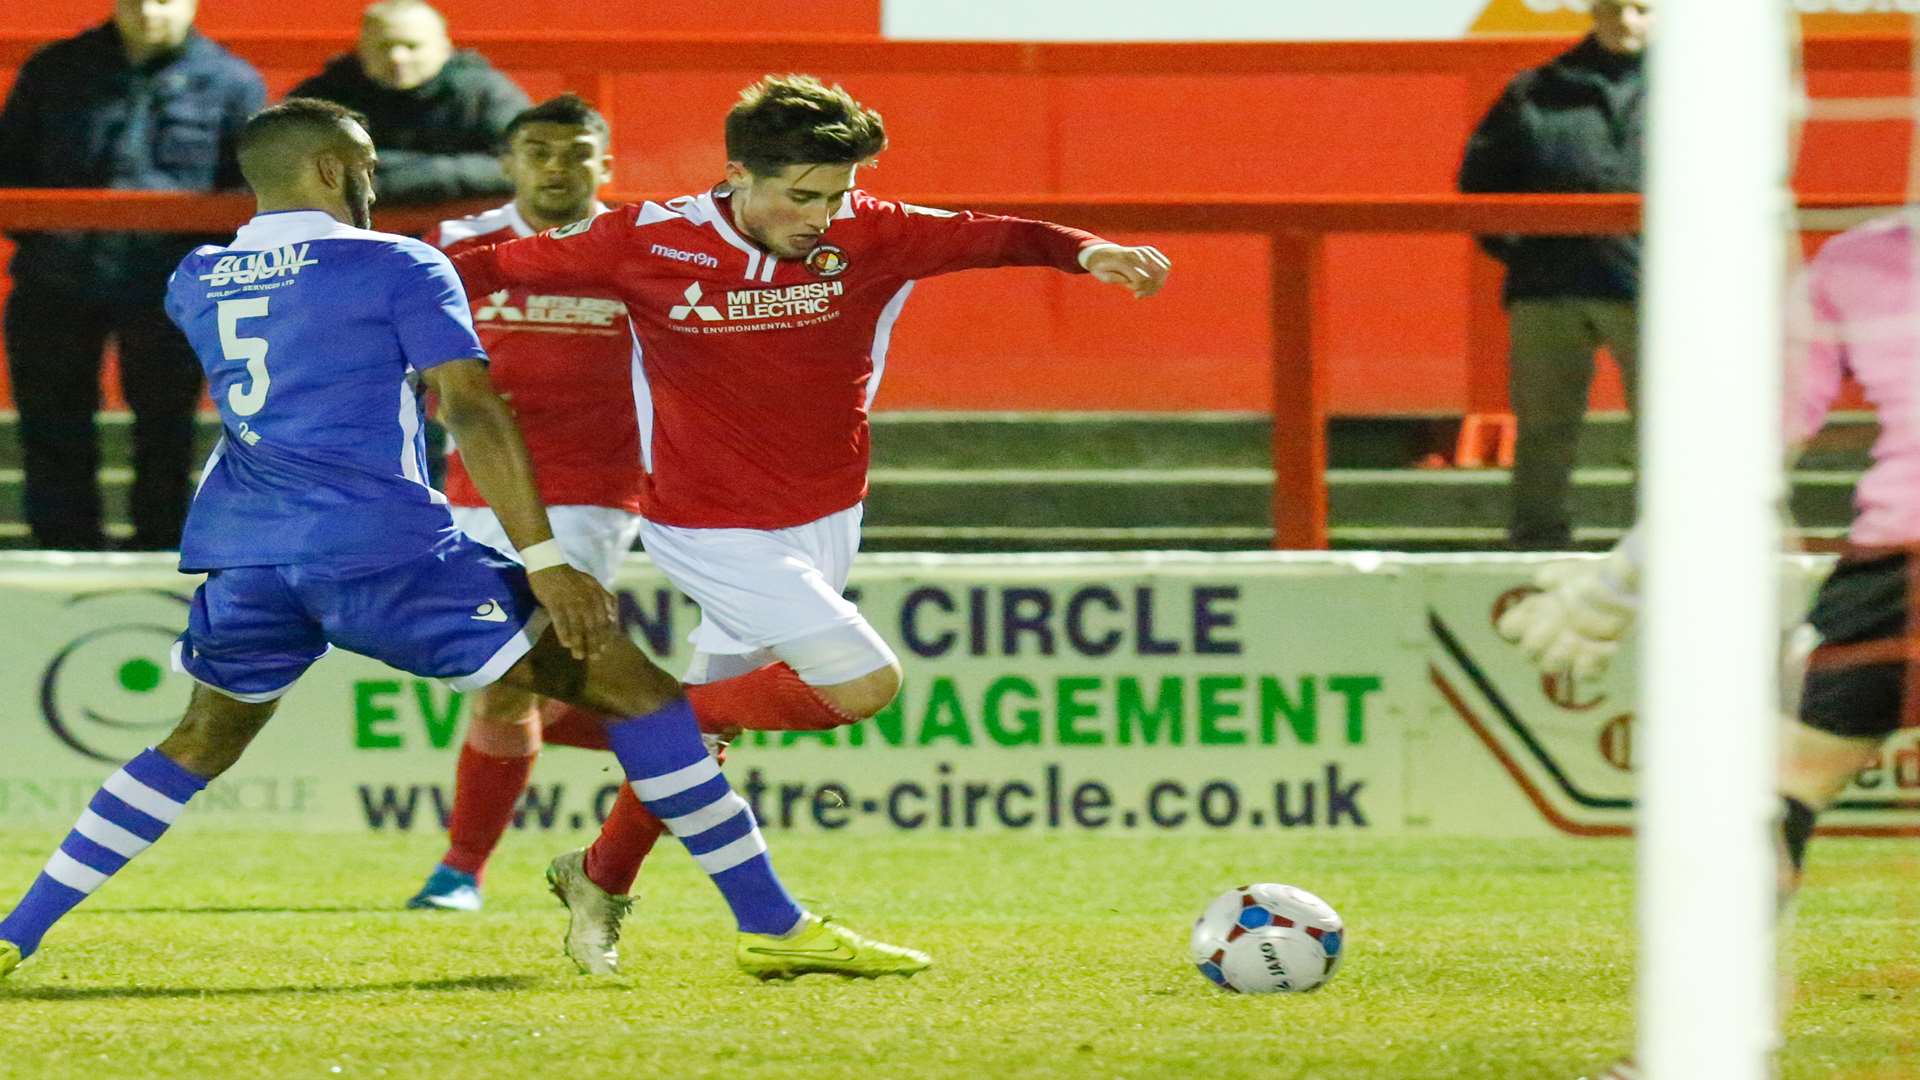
[827, 260]
[575, 228]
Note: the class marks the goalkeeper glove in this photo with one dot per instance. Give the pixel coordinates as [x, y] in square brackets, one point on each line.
[1576, 620]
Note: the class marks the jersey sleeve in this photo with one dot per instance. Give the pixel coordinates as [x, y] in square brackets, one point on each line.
[924, 241]
[429, 307]
[585, 255]
[1816, 355]
[170, 301]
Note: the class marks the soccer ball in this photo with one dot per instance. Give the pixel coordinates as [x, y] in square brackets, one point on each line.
[1266, 939]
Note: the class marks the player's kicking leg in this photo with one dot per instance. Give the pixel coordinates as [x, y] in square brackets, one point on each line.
[656, 739]
[672, 773]
[829, 667]
[595, 884]
[131, 811]
[729, 692]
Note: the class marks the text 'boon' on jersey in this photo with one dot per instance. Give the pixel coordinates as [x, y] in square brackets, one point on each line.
[258, 266]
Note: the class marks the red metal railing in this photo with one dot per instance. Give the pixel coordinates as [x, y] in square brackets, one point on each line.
[640, 53]
[1296, 230]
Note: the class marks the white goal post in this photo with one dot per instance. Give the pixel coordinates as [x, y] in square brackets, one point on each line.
[1718, 221]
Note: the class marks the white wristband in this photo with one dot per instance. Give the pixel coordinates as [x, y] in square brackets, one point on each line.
[544, 555]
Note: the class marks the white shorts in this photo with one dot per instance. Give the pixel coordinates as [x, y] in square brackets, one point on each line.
[593, 538]
[761, 588]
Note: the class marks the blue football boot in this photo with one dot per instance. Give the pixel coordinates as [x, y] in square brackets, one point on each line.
[447, 889]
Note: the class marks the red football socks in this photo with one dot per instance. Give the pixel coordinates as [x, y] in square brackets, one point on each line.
[568, 725]
[486, 792]
[624, 841]
[770, 698]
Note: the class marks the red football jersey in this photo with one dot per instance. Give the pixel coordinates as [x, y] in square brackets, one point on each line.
[565, 365]
[755, 373]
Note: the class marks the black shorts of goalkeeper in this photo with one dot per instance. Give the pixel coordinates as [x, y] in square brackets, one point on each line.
[1863, 678]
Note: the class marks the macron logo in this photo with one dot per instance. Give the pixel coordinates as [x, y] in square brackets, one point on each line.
[490, 611]
[697, 258]
[693, 306]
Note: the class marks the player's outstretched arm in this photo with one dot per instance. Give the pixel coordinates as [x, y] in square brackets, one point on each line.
[584, 616]
[925, 241]
[1140, 270]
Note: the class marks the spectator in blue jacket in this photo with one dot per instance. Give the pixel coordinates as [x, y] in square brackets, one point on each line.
[141, 102]
[1573, 125]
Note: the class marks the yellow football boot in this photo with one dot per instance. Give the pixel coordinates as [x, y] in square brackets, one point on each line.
[9, 957]
[822, 946]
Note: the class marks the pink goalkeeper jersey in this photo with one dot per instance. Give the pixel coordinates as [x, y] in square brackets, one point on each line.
[1858, 314]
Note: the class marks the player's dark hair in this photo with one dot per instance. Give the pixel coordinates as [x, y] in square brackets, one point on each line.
[275, 141]
[787, 120]
[570, 109]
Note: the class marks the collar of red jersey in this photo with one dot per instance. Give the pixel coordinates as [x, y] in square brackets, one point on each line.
[521, 228]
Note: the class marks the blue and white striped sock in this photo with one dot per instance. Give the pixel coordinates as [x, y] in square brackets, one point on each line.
[126, 816]
[671, 771]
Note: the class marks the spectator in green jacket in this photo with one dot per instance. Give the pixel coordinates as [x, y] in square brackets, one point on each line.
[436, 113]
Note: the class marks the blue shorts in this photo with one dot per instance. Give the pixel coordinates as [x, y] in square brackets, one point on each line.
[462, 612]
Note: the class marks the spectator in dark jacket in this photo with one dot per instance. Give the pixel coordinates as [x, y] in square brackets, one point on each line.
[142, 102]
[1573, 125]
[436, 115]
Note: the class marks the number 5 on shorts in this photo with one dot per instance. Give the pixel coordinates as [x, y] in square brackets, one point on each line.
[249, 400]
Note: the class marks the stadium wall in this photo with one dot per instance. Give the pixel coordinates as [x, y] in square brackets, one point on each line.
[480, 16]
[1409, 319]
[1000, 20]
[1137, 694]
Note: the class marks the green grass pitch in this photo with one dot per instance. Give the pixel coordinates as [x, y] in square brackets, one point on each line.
[279, 955]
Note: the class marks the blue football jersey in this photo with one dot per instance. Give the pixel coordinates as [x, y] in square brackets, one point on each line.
[309, 331]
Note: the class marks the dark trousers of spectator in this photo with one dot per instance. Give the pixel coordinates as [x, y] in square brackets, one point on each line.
[1552, 359]
[55, 345]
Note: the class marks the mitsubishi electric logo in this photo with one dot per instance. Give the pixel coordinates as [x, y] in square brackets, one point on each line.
[812, 298]
[693, 306]
[497, 307]
[786, 308]
[551, 313]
